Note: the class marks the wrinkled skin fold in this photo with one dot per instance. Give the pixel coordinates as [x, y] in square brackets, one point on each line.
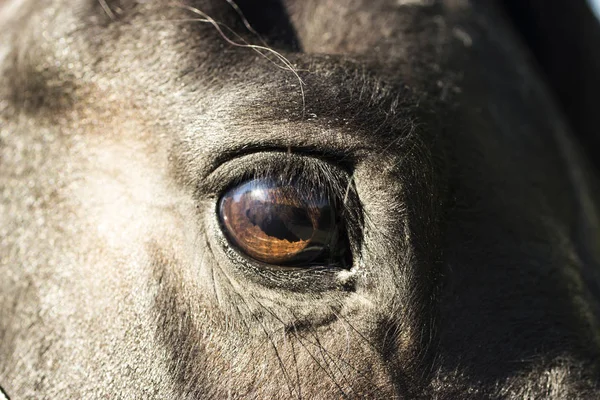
[476, 241]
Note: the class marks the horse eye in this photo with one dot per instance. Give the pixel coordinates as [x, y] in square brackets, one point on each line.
[281, 224]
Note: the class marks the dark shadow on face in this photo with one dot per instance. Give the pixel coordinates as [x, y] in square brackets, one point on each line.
[271, 21]
[564, 37]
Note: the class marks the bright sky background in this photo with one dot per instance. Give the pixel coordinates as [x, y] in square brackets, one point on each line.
[595, 4]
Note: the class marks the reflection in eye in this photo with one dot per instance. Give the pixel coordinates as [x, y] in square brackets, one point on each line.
[284, 225]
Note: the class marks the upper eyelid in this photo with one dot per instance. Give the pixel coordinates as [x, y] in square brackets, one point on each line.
[198, 155]
[266, 164]
[344, 159]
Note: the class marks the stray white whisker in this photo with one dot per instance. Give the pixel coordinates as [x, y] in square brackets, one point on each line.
[259, 49]
[255, 47]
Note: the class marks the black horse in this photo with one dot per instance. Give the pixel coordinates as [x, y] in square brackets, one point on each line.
[288, 199]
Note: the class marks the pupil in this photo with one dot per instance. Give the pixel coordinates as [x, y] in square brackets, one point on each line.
[281, 221]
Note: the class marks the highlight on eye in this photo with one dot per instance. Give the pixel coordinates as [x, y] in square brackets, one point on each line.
[281, 224]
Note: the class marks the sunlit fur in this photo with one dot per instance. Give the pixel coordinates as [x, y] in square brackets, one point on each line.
[475, 250]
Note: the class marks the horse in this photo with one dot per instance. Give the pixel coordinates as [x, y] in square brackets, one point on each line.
[285, 199]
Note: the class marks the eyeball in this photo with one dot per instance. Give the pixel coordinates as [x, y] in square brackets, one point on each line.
[281, 224]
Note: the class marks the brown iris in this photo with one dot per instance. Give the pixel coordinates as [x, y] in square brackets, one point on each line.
[279, 224]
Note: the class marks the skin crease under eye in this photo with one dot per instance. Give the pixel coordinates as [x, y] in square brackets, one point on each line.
[278, 224]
